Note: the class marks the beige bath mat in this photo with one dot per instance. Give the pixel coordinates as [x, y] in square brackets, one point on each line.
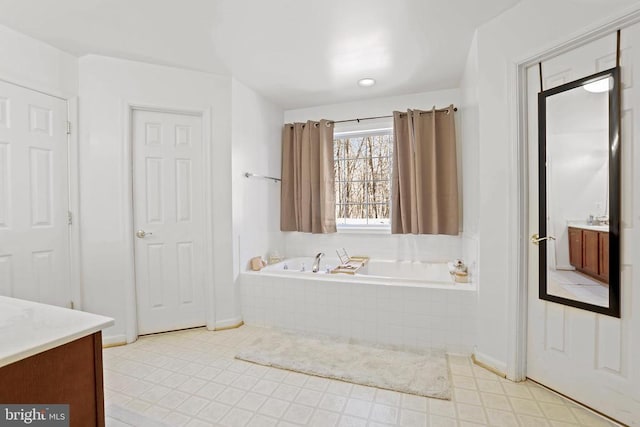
[425, 373]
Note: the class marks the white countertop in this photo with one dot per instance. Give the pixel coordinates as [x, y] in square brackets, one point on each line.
[590, 227]
[28, 328]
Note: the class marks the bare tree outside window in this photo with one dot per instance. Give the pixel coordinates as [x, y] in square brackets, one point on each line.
[363, 178]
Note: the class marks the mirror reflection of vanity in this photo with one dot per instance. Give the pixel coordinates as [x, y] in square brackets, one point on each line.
[579, 161]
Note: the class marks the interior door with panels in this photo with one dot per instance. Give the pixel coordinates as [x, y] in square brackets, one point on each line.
[168, 220]
[34, 195]
[585, 355]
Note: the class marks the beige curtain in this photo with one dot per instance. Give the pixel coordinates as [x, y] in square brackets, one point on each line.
[307, 198]
[425, 178]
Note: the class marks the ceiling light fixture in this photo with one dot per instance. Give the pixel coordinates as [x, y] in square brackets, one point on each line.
[367, 82]
[599, 86]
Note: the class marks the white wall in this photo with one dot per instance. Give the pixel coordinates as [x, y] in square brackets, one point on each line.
[256, 132]
[105, 86]
[34, 64]
[469, 133]
[528, 29]
[386, 246]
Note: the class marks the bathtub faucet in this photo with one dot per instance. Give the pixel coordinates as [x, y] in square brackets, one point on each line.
[316, 263]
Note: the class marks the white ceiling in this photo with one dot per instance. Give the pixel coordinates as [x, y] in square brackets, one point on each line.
[298, 53]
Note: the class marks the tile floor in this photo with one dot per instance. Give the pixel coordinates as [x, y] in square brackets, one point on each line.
[578, 286]
[190, 378]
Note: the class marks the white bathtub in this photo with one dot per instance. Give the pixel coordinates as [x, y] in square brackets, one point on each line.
[405, 303]
[409, 273]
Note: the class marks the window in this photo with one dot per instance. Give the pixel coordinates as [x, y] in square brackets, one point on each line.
[363, 178]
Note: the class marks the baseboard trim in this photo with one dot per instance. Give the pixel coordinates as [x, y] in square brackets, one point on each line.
[228, 324]
[114, 341]
[490, 364]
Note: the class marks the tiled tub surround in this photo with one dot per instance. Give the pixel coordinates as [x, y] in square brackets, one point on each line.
[404, 310]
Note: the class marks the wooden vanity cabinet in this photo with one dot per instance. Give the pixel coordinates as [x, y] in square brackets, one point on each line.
[68, 374]
[52, 355]
[589, 252]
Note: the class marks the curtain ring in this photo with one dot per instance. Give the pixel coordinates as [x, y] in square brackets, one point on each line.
[315, 125]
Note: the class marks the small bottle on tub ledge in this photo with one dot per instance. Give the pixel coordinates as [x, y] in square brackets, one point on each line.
[458, 271]
[275, 257]
[461, 277]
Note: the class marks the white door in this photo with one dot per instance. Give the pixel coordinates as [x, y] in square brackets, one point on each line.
[168, 220]
[34, 194]
[589, 357]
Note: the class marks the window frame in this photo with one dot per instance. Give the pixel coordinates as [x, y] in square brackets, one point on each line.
[383, 129]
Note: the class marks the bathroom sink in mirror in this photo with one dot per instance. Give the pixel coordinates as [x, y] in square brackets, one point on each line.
[579, 204]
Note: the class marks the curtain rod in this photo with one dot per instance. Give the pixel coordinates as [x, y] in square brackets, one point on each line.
[386, 117]
[378, 117]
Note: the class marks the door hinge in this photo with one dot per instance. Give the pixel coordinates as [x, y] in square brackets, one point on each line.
[69, 218]
[68, 127]
[71, 306]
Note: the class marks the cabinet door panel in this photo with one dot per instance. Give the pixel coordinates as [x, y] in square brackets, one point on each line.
[575, 247]
[590, 251]
[603, 258]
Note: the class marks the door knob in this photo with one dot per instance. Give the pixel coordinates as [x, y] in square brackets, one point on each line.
[140, 234]
[536, 239]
